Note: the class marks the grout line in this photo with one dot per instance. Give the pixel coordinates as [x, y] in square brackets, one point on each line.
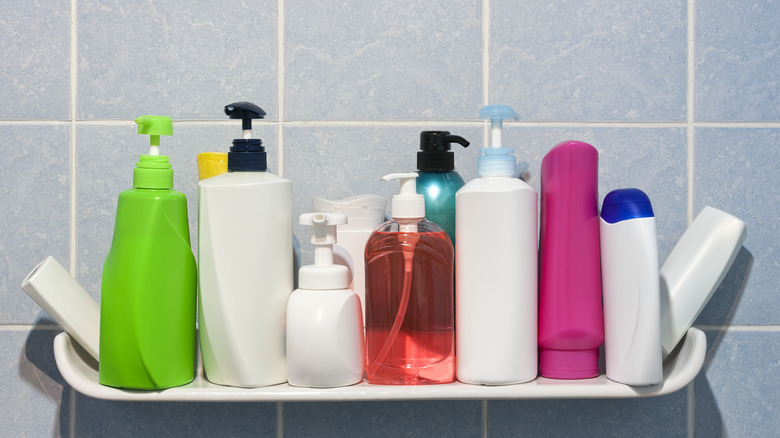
[485, 52]
[691, 410]
[690, 102]
[73, 247]
[72, 425]
[279, 419]
[280, 23]
[485, 431]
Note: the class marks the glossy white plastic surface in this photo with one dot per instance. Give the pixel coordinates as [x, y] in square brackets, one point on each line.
[80, 371]
[632, 301]
[695, 268]
[496, 281]
[62, 297]
[245, 274]
[325, 345]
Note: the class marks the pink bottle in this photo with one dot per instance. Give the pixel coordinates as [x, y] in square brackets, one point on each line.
[571, 325]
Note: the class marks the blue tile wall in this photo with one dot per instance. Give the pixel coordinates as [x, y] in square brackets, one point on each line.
[681, 98]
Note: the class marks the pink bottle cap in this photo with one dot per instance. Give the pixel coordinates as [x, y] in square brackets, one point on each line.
[569, 364]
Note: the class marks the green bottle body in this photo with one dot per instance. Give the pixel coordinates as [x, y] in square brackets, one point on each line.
[439, 189]
[149, 294]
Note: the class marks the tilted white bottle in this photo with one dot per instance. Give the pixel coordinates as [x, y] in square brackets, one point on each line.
[245, 265]
[325, 343]
[496, 268]
[630, 287]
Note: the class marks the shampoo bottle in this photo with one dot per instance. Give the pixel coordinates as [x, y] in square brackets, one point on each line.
[325, 346]
[438, 181]
[148, 291]
[246, 264]
[364, 214]
[410, 307]
[632, 297]
[496, 268]
[571, 325]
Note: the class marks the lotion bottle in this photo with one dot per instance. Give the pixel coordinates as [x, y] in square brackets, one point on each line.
[438, 181]
[632, 297]
[571, 325]
[364, 214]
[410, 303]
[325, 344]
[246, 264]
[496, 267]
[148, 290]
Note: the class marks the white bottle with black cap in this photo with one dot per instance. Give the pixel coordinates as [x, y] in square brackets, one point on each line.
[325, 346]
[245, 264]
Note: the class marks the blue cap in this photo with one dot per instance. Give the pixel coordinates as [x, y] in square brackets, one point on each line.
[623, 204]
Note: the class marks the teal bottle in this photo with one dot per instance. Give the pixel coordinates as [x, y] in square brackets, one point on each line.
[437, 179]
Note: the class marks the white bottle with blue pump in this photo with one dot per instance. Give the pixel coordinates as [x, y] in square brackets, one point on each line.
[496, 267]
[325, 344]
[631, 288]
[245, 268]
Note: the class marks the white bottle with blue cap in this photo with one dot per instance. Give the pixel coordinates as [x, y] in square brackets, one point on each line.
[496, 267]
[631, 288]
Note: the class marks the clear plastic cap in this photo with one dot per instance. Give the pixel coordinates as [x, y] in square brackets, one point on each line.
[496, 160]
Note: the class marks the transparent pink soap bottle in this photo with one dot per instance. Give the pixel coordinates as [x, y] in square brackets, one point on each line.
[571, 324]
[410, 300]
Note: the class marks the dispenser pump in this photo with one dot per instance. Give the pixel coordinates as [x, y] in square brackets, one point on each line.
[247, 153]
[496, 160]
[323, 274]
[435, 154]
[407, 204]
[153, 171]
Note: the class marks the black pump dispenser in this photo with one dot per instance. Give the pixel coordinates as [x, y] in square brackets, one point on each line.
[435, 154]
[247, 153]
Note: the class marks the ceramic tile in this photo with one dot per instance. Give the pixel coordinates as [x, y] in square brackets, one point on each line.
[35, 399]
[451, 418]
[99, 418]
[595, 60]
[106, 157]
[737, 61]
[649, 417]
[35, 196]
[736, 171]
[737, 393]
[392, 60]
[161, 58]
[35, 49]
[338, 162]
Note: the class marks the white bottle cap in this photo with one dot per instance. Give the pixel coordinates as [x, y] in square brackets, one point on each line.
[323, 274]
[407, 204]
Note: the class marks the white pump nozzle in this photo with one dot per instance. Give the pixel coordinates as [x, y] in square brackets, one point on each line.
[323, 274]
[407, 204]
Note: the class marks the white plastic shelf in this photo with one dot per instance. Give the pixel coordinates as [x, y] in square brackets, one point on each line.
[81, 371]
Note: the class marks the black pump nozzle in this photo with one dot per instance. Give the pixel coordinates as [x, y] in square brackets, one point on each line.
[245, 111]
[246, 154]
[435, 154]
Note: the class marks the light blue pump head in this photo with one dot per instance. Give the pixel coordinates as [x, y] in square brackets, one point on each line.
[496, 160]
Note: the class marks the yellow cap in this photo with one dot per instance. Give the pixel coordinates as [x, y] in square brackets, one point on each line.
[211, 164]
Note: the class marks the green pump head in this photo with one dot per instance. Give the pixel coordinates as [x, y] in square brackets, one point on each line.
[153, 171]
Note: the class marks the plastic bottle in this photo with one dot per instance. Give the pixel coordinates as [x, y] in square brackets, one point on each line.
[438, 181]
[148, 292]
[410, 309]
[694, 270]
[325, 344]
[632, 297]
[246, 264]
[496, 268]
[571, 326]
[364, 214]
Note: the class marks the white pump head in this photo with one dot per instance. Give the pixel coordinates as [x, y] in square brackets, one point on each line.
[407, 204]
[323, 274]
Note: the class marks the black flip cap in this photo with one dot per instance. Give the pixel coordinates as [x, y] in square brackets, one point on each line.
[435, 154]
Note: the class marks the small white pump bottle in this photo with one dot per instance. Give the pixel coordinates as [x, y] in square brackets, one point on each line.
[496, 268]
[325, 346]
[630, 287]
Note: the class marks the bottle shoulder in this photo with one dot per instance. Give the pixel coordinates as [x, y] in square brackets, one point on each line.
[230, 179]
[495, 184]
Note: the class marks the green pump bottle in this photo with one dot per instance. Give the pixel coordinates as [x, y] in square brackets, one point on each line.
[149, 285]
